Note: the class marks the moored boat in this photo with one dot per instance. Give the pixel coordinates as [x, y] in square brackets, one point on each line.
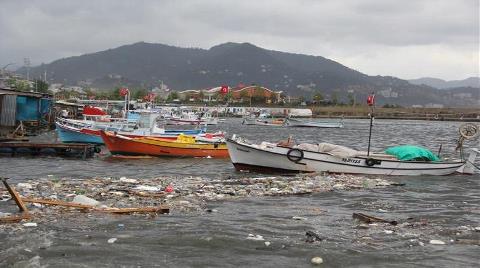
[293, 122]
[270, 157]
[181, 147]
[81, 131]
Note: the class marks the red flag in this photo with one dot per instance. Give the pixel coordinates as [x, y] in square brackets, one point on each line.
[371, 100]
[123, 91]
[224, 89]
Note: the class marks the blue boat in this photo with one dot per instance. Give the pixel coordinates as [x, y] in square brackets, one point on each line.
[72, 135]
[78, 132]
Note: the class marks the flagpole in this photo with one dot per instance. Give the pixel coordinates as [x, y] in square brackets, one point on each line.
[370, 102]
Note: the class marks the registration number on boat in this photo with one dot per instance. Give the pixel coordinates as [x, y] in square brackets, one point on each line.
[349, 160]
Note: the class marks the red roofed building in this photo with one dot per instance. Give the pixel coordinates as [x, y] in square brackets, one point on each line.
[257, 94]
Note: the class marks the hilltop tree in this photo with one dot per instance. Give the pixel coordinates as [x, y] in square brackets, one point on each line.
[172, 96]
[351, 99]
[334, 98]
[317, 97]
[258, 95]
[139, 93]
[244, 95]
[40, 86]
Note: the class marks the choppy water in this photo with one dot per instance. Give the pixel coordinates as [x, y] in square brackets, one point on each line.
[219, 239]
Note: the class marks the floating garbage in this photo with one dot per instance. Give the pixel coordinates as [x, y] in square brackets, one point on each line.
[370, 219]
[312, 237]
[84, 200]
[112, 240]
[111, 195]
[317, 260]
[437, 242]
[147, 188]
[255, 237]
[169, 188]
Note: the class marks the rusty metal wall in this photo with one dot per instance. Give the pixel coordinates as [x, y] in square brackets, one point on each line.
[8, 108]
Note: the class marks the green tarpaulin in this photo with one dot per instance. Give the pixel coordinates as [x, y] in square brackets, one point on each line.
[410, 152]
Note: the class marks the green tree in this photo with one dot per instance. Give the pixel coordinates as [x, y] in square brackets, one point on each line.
[351, 99]
[334, 98]
[244, 95]
[139, 94]
[172, 96]
[317, 97]
[201, 96]
[19, 84]
[40, 86]
[229, 96]
[258, 95]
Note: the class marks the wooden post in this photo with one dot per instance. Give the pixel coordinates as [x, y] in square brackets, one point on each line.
[15, 196]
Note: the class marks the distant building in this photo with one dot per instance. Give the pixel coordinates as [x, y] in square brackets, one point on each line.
[238, 94]
[259, 92]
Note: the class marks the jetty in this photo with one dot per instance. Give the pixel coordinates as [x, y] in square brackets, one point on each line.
[58, 149]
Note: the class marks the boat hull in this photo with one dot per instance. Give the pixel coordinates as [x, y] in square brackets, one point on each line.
[300, 123]
[118, 144]
[274, 159]
[72, 135]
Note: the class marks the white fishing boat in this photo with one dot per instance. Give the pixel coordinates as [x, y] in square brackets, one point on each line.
[271, 157]
[191, 118]
[293, 122]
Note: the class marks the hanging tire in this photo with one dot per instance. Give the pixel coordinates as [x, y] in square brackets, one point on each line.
[370, 162]
[295, 155]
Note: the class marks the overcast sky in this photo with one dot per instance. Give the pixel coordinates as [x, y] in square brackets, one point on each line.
[403, 38]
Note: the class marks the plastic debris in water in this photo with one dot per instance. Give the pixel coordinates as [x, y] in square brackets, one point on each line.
[169, 188]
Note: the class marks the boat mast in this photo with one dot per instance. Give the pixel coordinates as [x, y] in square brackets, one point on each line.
[371, 103]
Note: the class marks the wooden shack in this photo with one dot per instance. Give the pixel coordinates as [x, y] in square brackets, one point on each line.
[29, 111]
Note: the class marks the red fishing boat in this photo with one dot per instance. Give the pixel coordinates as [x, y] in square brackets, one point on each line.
[183, 146]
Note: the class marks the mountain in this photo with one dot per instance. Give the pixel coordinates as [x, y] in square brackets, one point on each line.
[442, 84]
[145, 65]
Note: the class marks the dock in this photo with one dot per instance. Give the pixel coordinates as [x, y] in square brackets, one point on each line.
[58, 149]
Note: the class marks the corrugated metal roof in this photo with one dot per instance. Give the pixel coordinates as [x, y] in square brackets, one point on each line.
[23, 93]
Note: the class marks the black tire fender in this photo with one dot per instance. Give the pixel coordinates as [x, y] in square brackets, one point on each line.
[97, 149]
[295, 158]
[370, 162]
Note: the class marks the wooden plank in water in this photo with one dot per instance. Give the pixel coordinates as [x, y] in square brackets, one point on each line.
[78, 149]
[45, 145]
[370, 219]
[15, 196]
[56, 203]
[15, 218]
[159, 209]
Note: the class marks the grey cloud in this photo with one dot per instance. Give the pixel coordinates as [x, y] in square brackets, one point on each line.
[345, 30]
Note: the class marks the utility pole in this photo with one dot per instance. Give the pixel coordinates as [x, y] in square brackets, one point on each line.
[26, 62]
